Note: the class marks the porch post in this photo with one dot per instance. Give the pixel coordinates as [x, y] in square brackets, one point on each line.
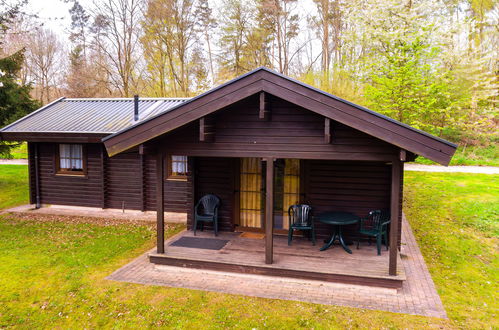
[269, 210]
[160, 201]
[394, 215]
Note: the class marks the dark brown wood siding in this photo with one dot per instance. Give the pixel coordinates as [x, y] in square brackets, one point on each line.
[122, 182]
[70, 190]
[356, 187]
[291, 132]
[176, 192]
[215, 176]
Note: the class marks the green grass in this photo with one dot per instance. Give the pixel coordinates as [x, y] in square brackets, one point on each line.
[13, 185]
[455, 218]
[52, 272]
[471, 155]
[20, 152]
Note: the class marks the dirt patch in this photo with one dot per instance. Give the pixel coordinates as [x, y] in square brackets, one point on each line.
[39, 217]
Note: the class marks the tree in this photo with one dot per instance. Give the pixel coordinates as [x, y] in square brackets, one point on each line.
[207, 24]
[116, 35]
[45, 61]
[278, 19]
[15, 99]
[170, 27]
[235, 23]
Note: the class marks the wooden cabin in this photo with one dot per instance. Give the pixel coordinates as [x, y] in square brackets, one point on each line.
[260, 142]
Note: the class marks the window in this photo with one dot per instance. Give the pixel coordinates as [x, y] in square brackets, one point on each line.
[177, 167]
[70, 159]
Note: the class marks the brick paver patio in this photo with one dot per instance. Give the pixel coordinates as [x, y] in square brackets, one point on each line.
[417, 296]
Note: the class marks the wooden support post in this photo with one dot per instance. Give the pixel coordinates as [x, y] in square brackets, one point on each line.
[327, 131]
[160, 201]
[394, 215]
[206, 129]
[264, 112]
[38, 203]
[142, 182]
[269, 211]
[103, 175]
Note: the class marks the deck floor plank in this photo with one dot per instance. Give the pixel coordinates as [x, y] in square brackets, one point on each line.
[301, 256]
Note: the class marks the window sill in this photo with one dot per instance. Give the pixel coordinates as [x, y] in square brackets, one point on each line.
[77, 175]
[176, 179]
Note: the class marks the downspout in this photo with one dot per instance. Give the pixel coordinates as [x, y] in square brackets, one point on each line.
[37, 178]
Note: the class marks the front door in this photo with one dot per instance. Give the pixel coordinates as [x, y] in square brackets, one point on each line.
[252, 192]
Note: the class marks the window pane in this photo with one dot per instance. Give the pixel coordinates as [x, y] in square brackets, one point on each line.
[71, 157]
[178, 165]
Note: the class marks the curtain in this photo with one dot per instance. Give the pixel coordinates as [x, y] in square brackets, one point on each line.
[291, 187]
[71, 157]
[250, 193]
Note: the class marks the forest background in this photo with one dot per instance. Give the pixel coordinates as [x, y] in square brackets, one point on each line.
[433, 64]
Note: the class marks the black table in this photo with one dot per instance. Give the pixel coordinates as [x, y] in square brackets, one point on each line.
[337, 219]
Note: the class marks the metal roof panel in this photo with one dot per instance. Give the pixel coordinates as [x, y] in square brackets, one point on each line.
[88, 115]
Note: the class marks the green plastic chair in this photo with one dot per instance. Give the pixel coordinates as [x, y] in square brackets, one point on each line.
[300, 218]
[208, 206]
[375, 225]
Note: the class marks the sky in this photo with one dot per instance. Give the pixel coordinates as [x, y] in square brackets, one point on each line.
[53, 13]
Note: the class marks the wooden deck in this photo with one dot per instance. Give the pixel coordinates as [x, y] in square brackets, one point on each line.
[301, 260]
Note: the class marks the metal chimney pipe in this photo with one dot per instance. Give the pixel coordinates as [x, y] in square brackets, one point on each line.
[136, 107]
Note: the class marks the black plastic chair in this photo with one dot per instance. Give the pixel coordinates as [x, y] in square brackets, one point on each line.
[300, 218]
[206, 210]
[375, 225]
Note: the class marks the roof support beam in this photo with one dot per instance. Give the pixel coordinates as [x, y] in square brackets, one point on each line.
[327, 131]
[264, 113]
[206, 129]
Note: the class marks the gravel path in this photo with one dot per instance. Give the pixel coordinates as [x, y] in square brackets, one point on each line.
[407, 167]
[13, 162]
[452, 169]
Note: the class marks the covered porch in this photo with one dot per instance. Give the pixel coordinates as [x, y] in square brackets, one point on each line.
[237, 252]
[326, 184]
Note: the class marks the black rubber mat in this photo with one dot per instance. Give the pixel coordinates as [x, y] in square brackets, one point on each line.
[200, 243]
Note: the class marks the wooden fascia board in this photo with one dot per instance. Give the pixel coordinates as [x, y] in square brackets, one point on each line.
[373, 125]
[53, 137]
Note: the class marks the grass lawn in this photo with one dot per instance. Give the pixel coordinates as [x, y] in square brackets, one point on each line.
[13, 185]
[21, 152]
[455, 218]
[52, 271]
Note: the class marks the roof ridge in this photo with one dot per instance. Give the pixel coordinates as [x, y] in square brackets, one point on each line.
[126, 99]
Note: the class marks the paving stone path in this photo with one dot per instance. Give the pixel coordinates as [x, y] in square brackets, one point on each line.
[417, 296]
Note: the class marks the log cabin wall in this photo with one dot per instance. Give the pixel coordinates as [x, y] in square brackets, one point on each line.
[216, 176]
[70, 190]
[356, 187]
[122, 182]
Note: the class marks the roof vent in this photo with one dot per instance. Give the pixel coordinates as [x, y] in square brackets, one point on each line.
[136, 108]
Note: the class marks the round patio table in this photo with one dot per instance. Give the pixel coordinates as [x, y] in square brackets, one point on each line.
[338, 220]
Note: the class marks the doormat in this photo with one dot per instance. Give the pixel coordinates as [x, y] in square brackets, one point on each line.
[248, 234]
[200, 243]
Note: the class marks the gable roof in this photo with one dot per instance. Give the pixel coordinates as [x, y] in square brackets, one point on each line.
[88, 115]
[308, 97]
